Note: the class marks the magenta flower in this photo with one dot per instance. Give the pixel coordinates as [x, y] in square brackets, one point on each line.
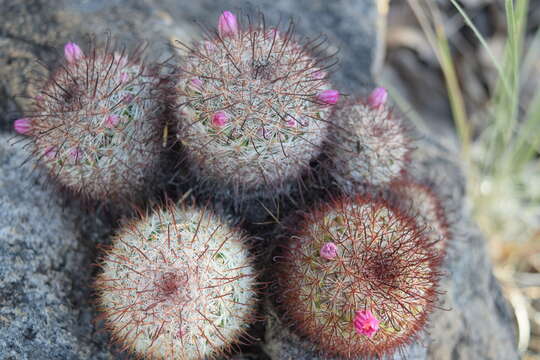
[227, 24]
[220, 119]
[111, 121]
[365, 323]
[328, 251]
[329, 97]
[22, 126]
[72, 52]
[378, 97]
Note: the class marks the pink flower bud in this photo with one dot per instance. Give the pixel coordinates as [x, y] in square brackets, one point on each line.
[328, 251]
[72, 52]
[39, 97]
[124, 77]
[318, 75]
[220, 119]
[365, 323]
[378, 97]
[112, 121]
[50, 152]
[196, 83]
[22, 126]
[227, 24]
[329, 97]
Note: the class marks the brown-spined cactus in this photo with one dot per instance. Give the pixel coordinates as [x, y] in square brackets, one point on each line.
[96, 123]
[358, 278]
[177, 284]
[253, 104]
[369, 145]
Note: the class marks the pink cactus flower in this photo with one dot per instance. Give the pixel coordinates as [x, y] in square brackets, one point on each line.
[329, 97]
[22, 126]
[291, 122]
[196, 83]
[227, 24]
[39, 97]
[378, 97]
[72, 52]
[220, 119]
[328, 251]
[365, 323]
[111, 121]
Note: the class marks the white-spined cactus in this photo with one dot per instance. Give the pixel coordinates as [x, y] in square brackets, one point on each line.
[178, 284]
[253, 105]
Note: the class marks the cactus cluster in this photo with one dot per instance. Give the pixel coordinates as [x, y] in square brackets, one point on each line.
[250, 107]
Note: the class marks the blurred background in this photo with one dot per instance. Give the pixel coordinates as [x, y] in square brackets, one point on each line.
[469, 70]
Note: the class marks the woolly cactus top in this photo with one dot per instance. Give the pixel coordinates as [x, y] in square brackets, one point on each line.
[254, 103]
[95, 122]
[177, 285]
[373, 294]
[370, 145]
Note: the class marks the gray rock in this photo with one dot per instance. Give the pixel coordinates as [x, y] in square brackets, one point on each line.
[46, 271]
[47, 247]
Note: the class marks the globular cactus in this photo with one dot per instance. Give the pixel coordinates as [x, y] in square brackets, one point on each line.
[370, 145]
[358, 278]
[178, 284]
[254, 105]
[95, 123]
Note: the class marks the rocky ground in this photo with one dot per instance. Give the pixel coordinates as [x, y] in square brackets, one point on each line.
[48, 245]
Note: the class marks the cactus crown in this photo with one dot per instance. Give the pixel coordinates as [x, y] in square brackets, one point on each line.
[254, 103]
[178, 284]
[374, 294]
[95, 123]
